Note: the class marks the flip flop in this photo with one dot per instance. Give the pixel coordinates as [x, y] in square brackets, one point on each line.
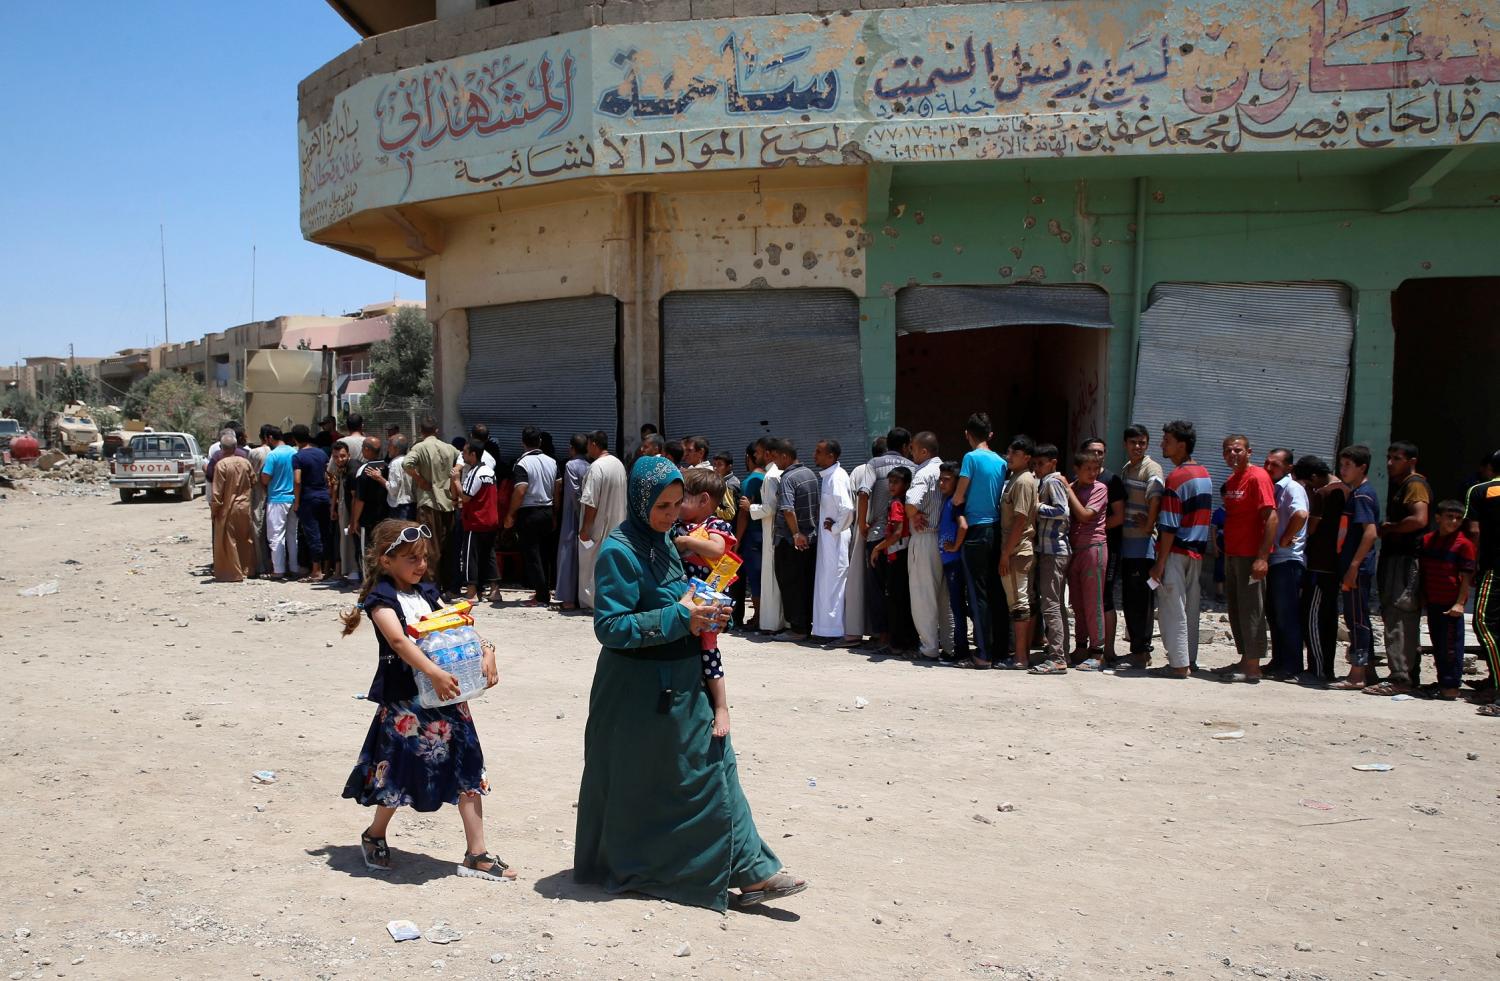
[1090, 664]
[1165, 671]
[1344, 684]
[779, 886]
[972, 665]
[1491, 711]
[1385, 689]
[1048, 667]
[1240, 678]
[1009, 664]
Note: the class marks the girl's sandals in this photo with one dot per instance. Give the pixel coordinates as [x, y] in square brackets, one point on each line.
[485, 866]
[375, 851]
[778, 886]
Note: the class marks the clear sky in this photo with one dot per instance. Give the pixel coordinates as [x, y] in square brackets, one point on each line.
[126, 116]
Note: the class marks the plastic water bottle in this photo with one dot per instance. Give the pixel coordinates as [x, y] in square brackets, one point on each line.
[459, 652]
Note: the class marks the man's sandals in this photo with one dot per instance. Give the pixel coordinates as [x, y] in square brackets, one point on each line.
[778, 886]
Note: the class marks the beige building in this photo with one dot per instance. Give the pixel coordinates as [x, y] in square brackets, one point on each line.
[817, 218]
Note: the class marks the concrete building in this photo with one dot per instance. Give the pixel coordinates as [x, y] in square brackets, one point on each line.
[217, 360]
[817, 218]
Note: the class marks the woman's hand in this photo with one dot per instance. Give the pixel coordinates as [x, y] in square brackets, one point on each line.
[707, 617]
[487, 664]
[444, 685]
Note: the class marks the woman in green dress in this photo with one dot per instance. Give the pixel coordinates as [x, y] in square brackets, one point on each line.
[660, 809]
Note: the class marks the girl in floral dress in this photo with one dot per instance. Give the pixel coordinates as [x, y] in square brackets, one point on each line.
[415, 757]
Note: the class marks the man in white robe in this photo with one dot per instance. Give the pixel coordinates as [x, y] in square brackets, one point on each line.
[856, 616]
[836, 512]
[603, 503]
[768, 610]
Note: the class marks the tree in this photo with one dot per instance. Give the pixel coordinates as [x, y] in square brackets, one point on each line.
[74, 385]
[22, 407]
[402, 364]
[178, 403]
[139, 394]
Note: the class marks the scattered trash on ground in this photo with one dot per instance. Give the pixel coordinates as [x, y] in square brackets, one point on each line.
[1427, 809]
[1374, 767]
[1316, 805]
[1005, 808]
[40, 589]
[1403, 697]
[860, 701]
[264, 776]
[403, 930]
[441, 933]
[1471, 756]
[1233, 734]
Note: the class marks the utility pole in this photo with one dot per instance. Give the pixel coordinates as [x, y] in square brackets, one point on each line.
[166, 336]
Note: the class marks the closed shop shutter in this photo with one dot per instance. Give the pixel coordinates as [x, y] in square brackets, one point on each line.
[740, 364]
[931, 309]
[549, 364]
[1270, 360]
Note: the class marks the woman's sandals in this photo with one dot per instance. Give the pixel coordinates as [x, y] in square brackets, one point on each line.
[470, 869]
[778, 886]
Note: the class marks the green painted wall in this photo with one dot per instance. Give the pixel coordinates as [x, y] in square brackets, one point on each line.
[1221, 219]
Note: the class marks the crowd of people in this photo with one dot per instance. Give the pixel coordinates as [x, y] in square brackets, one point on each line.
[987, 563]
[991, 562]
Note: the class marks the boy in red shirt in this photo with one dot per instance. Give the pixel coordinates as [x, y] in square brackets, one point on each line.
[888, 559]
[1446, 558]
[1249, 537]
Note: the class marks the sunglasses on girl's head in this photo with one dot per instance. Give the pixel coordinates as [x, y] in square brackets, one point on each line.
[409, 535]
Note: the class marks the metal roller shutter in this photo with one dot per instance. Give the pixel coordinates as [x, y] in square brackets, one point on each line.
[930, 309]
[549, 364]
[1270, 360]
[796, 349]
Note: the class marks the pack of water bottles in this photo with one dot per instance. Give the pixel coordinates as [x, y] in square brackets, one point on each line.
[448, 638]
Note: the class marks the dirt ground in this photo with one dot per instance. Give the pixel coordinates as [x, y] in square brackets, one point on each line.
[135, 844]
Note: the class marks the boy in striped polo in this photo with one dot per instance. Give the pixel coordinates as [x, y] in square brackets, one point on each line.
[1183, 527]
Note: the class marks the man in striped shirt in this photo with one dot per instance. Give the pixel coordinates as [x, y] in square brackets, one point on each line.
[1183, 528]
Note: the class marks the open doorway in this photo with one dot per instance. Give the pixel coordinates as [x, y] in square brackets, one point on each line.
[1447, 346]
[1033, 357]
[1044, 380]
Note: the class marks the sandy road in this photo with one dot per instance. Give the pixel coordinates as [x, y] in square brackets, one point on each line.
[135, 844]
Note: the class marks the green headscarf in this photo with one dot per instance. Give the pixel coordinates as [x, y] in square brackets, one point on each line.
[648, 478]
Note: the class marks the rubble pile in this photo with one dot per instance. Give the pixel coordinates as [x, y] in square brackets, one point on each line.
[72, 469]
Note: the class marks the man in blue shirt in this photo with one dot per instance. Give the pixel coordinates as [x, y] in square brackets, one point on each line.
[981, 481]
[312, 504]
[1357, 564]
[276, 476]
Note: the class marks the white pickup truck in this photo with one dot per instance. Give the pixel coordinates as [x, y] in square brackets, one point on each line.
[158, 462]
